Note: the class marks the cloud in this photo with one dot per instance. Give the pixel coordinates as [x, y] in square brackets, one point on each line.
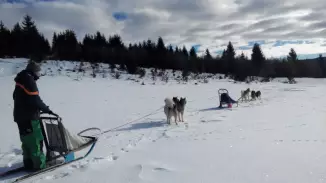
[277, 25]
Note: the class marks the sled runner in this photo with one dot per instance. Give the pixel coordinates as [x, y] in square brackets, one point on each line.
[225, 98]
[61, 147]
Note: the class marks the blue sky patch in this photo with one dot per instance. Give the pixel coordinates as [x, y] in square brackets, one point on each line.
[282, 43]
[260, 42]
[196, 46]
[120, 16]
[251, 44]
[245, 47]
[219, 52]
[309, 56]
[309, 42]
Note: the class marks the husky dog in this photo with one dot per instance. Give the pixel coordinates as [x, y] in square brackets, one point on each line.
[258, 94]
[170, 109]
[245, 94]
[253, 95]
[181, 104]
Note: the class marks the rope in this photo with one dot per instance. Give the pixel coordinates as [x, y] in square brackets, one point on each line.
[133, 121]
[88, 129]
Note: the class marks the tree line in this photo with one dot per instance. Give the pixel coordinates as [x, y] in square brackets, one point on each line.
[25, 40]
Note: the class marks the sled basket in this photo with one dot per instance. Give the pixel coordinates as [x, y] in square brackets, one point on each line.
[225, 97]
[222, 90]
[58, 139]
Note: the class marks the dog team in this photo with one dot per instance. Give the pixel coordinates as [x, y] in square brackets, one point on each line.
[175, 107]
[245, 95]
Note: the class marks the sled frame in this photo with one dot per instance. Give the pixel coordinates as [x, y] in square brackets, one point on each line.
[220, 92]
[68, 155]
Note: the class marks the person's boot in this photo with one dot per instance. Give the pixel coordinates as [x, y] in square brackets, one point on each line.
[28, 164]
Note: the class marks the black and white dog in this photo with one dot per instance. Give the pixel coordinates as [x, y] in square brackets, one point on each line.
[181, 105]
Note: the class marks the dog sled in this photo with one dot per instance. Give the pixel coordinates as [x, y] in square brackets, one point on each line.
[225, 99]
[62, 147]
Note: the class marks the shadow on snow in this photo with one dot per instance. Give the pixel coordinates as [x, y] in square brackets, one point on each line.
[212, 109]
[144, 125]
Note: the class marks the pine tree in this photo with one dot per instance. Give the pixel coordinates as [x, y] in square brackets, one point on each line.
[54, 43]
[292, 57]
[170, 48]
[28, 24]
[194, 66]
[224, 62]
[116, 41]
[257, 58]
[161, 54]
[243, 57]
[4, 40]
[32, 39]
[321, 63]
[185, 52]
[160, 44]
[242, 69]
[17, 39]
[192, 53]
[230, 58]
[208, 55]
[67, 47]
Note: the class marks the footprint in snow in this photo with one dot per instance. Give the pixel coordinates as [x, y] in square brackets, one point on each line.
[57, 176]
[124, 150]
[134, 174]
[160, 169]
[108, 158]
[186, 126]
[81, 165]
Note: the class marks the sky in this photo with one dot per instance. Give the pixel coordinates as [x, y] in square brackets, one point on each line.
[277, 25]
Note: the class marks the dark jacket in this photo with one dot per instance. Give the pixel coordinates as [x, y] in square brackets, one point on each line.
[27, 102]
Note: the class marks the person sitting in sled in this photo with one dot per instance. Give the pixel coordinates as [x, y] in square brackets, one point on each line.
[27, 108]
[226, 99]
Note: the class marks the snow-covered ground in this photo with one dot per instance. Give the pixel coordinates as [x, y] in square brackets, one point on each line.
[280, 138]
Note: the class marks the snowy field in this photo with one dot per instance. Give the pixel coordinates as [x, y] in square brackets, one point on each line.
[280, 138]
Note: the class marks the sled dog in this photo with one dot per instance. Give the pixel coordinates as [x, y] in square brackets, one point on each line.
[258, 94]
[245, 94]
[181, 104]
[170, 110]
[253, 95]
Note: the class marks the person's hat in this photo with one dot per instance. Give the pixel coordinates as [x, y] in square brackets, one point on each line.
[33, 67]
